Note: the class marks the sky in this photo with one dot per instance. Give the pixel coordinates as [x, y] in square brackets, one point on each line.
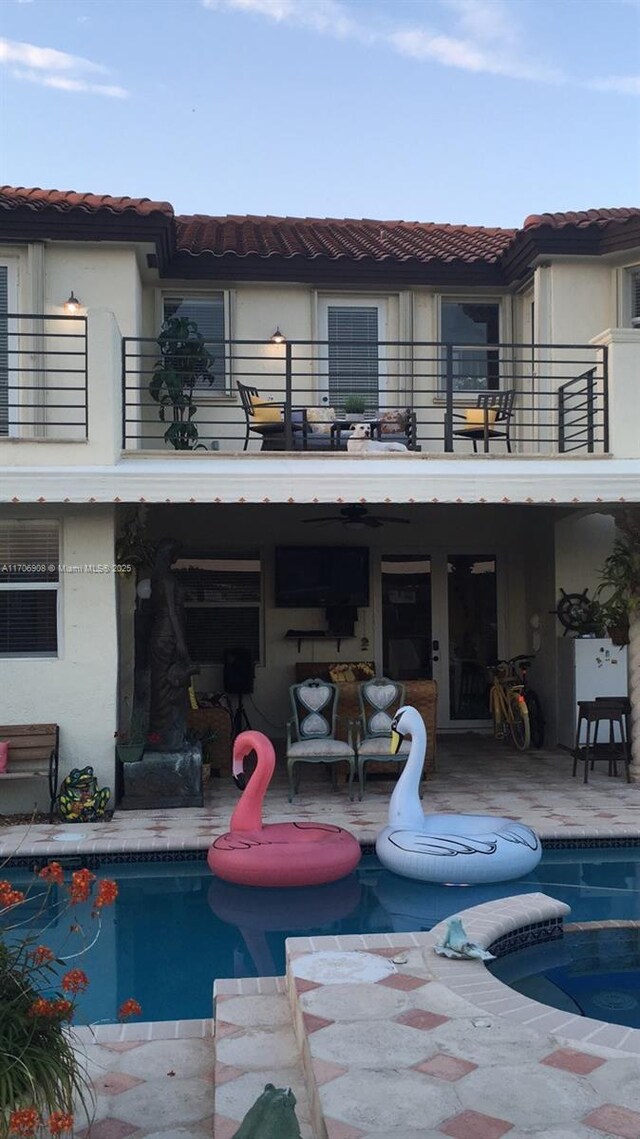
[476, 112]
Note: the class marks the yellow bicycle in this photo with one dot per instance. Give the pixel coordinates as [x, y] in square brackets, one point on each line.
[508, 706]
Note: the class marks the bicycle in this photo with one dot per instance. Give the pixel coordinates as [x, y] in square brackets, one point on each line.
[514, 705]
[521, 665]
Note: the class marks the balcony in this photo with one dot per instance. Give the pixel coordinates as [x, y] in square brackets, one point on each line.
[44, 380]
[507, 398]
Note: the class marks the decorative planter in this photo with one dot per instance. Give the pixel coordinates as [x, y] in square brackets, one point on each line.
[129, 753]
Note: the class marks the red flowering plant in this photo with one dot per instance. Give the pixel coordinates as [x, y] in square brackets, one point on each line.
[42, 1074]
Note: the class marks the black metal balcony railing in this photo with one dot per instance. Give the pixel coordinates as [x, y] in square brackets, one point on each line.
[523, 398]
[43, 377]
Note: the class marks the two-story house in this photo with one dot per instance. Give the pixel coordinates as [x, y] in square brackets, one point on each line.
[505, 360]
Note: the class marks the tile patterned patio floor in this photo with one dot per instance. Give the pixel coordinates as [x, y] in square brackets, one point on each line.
[474, 775]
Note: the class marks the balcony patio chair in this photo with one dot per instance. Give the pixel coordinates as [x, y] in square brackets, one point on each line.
[379, 699]
[265, 417]
[489, 419]
[315, 704]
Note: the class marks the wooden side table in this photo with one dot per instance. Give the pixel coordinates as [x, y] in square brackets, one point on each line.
[218, 751]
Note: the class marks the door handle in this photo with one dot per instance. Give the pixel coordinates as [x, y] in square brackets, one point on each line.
[435, 645]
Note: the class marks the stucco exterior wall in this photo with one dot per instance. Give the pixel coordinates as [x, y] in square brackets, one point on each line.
[582, 300]
[77, 689]
[583, 541]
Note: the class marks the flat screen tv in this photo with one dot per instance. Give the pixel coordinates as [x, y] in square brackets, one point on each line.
[319, 576]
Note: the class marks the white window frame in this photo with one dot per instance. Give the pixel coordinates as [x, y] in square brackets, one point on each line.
[628, 317]
[32, 586]
[12, 265]
[350, 300]
[504, 335]
[205, 394]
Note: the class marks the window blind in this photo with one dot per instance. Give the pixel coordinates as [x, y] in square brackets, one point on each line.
[28, 622]
[212, 629]
[208, 314]
[223, 598]
[29, 555]
[635, 295]
[353, 353]
[4, 350]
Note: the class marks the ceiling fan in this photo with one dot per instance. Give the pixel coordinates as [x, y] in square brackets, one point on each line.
[357, 517]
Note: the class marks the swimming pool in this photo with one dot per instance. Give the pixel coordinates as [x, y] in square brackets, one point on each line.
[593, 973]
[175, 928]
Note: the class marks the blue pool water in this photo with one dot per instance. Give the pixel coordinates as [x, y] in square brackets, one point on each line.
[174, 928]
[593, 973]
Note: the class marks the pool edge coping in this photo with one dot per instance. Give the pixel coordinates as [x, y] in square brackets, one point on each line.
[472, 981]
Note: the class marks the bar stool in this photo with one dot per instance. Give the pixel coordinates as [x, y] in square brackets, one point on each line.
[613, 711]
[624, 703]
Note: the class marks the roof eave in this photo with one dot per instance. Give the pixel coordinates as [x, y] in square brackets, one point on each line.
[577, 241]
[318, 269]
[23, 224]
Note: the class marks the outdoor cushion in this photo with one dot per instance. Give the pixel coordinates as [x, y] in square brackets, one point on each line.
[263, 411]
[380, 746]
[321, 419]
[475, 416]
[334, 748]
[393, 420]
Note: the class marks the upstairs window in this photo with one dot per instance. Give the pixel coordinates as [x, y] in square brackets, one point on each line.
[352, 352]
[468, 326]
[634, 276]
[29, 588]
[209, 313]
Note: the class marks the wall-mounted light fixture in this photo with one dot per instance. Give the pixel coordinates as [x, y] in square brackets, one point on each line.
[278, 337]
[72, 305]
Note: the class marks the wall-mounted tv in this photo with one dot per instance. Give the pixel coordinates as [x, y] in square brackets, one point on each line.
[321, 576]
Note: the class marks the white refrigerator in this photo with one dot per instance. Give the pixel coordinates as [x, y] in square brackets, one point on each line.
[587, 667]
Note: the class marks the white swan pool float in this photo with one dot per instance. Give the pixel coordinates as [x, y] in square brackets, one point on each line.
[452, 849]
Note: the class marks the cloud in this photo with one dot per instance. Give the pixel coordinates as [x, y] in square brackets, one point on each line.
[622, 84]
[52, 68]
[325, 16]
[479, 36]
[466, 55]
[486, 42]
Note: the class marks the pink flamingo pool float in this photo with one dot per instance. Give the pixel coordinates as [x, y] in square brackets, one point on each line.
[279, 854]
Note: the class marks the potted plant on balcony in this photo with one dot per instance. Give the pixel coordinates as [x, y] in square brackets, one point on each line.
[184, 362]
[354, 404]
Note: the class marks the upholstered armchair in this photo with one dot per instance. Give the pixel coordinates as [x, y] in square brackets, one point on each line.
[311, 733]
[380, 699]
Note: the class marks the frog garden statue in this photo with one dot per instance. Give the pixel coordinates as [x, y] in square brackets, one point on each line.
[271, 1117]
[79, 800]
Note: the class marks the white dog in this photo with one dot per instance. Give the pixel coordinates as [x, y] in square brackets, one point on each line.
[360, 441]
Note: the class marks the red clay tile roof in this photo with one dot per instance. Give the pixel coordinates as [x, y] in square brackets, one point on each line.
[14, 197]
[325, 239]
[335, 238]
[582, 218]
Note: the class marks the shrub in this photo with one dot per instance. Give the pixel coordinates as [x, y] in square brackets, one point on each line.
[41, 1073]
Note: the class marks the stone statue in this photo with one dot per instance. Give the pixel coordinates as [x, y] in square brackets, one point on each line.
[169, 664]
[457, 944]
[271, 1117]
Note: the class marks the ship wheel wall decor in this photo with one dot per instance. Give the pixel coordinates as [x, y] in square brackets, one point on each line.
[576, 612]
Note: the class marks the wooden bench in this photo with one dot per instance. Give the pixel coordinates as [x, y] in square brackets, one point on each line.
[33, 754]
